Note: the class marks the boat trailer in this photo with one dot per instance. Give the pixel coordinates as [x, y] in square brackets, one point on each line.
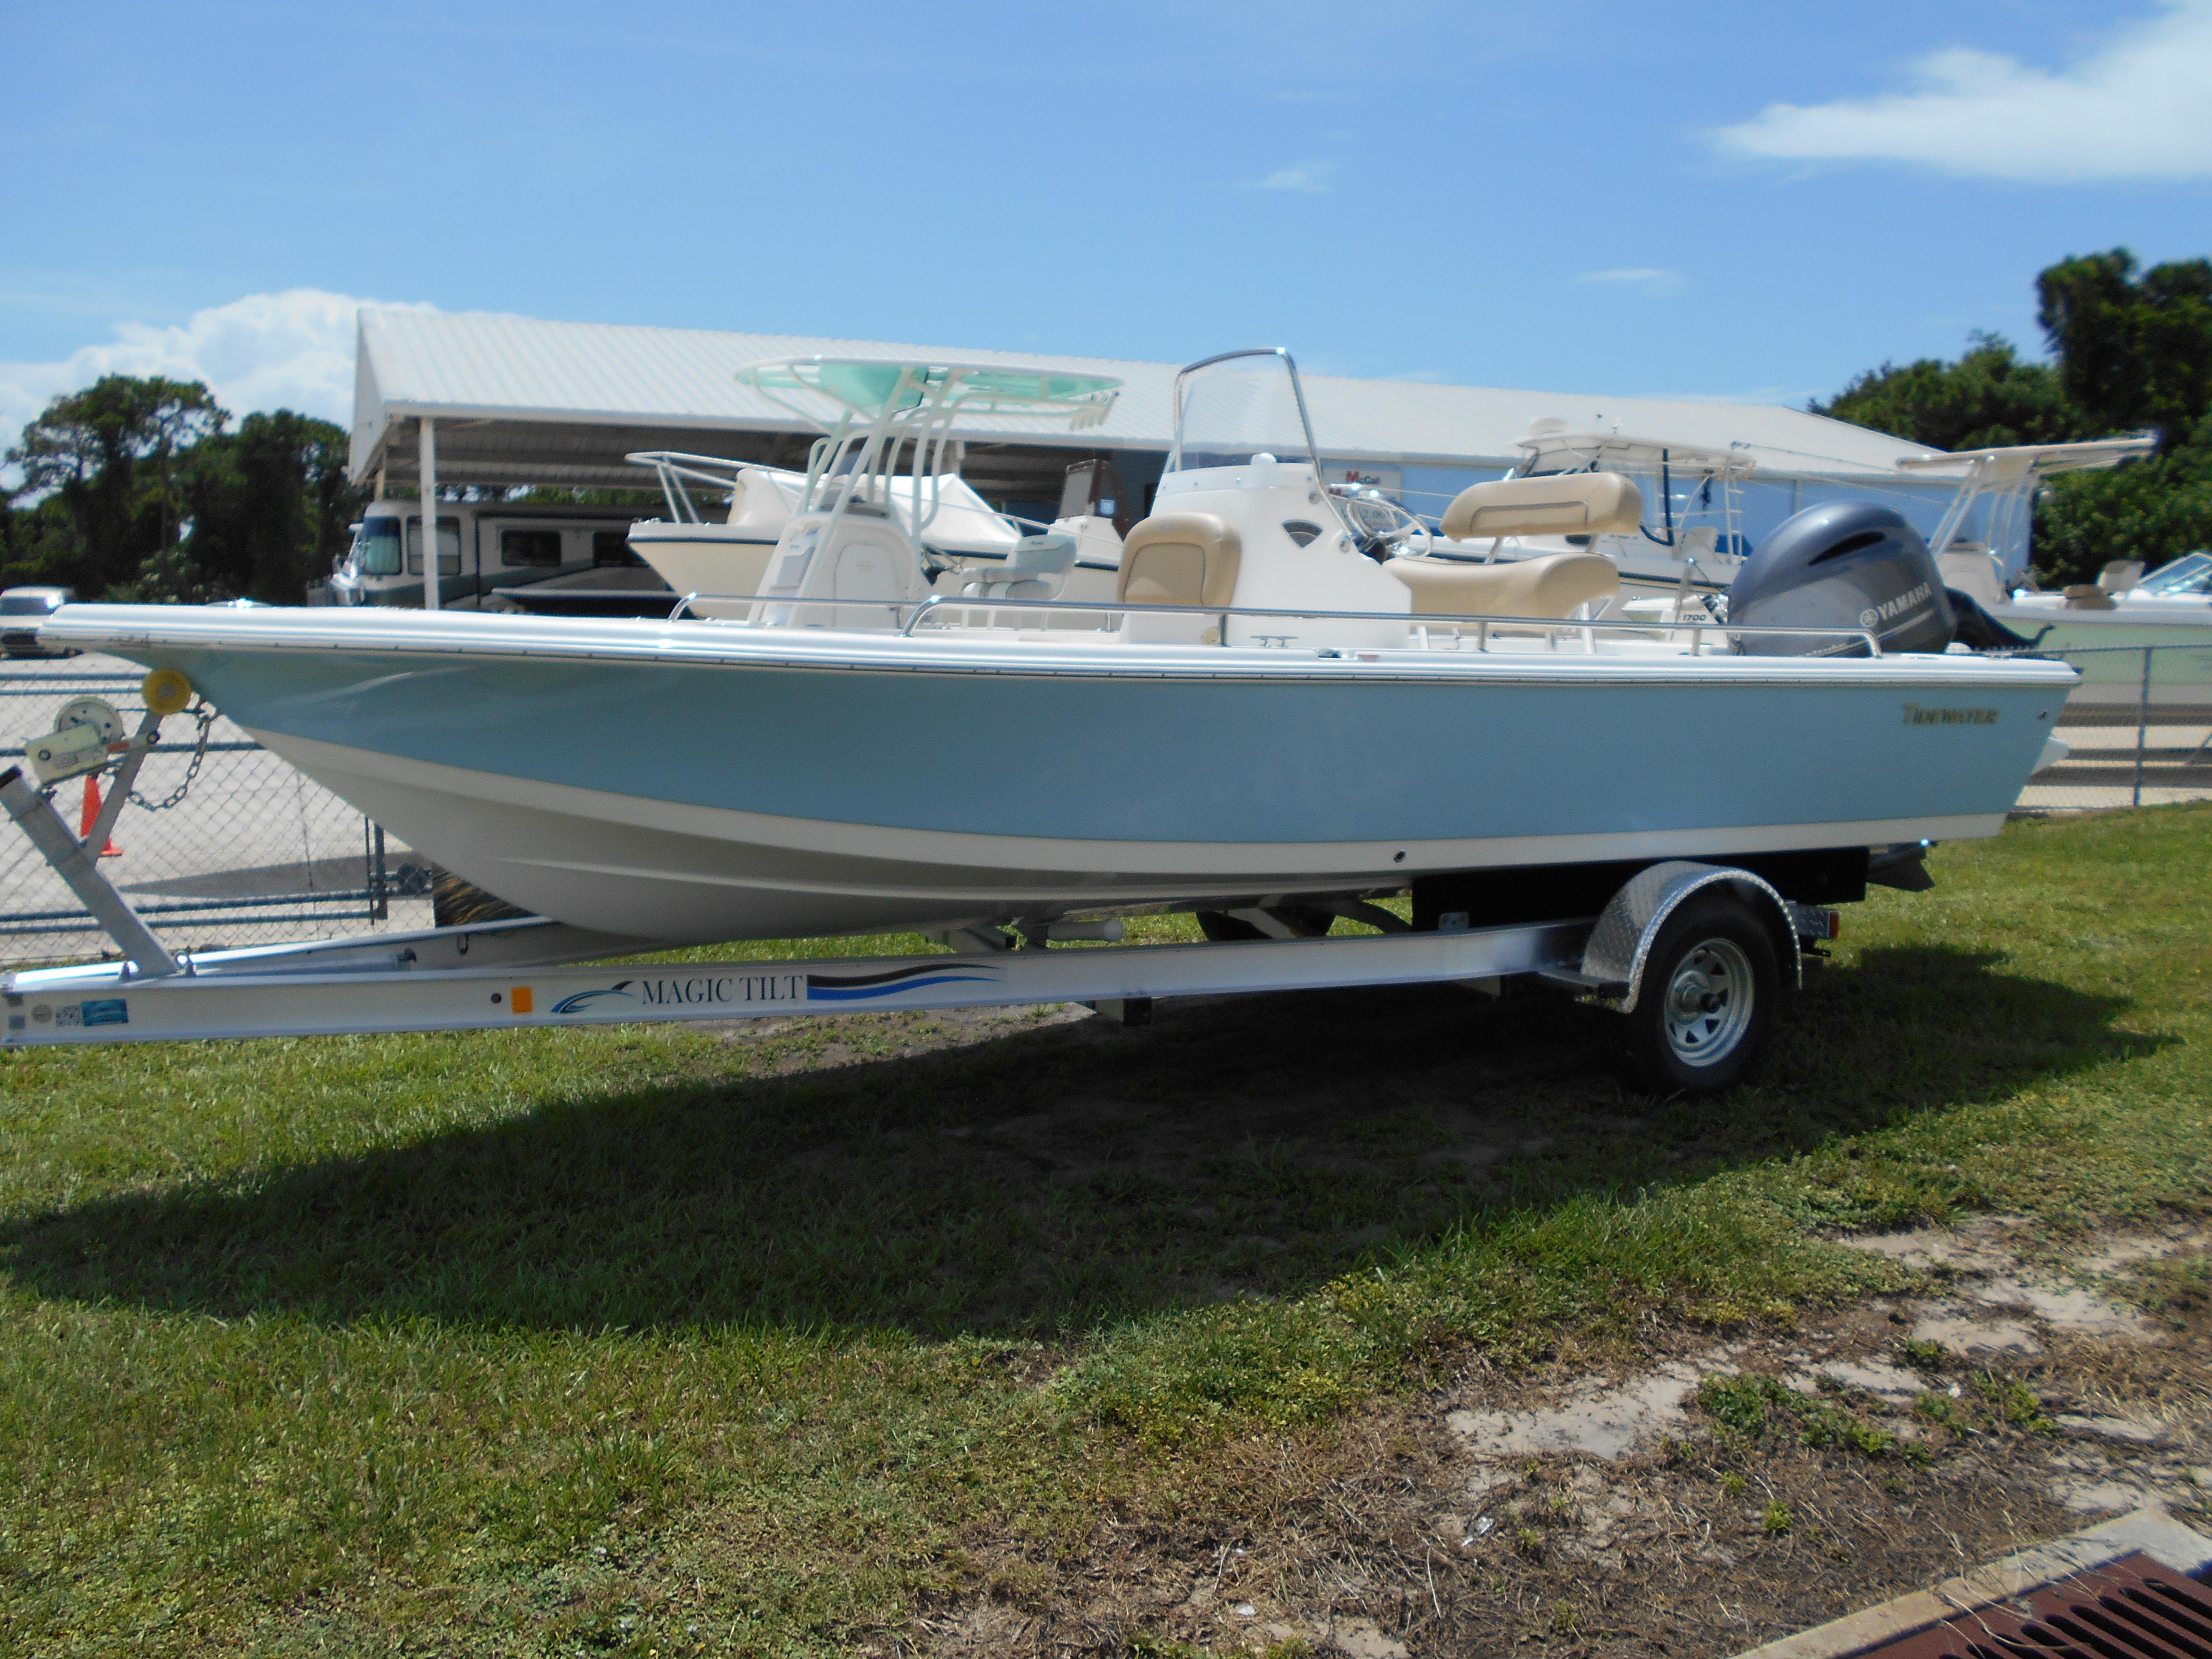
[1691, 955]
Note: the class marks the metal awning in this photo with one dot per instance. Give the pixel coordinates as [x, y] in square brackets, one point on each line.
[519, 401]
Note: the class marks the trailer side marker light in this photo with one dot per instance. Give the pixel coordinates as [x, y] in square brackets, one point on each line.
[519, 1000]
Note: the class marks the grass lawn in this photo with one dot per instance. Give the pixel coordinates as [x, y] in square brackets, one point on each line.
[783, 1337]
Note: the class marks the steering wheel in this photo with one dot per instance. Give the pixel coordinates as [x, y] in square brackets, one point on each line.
[1382, 521]
[1415, 521]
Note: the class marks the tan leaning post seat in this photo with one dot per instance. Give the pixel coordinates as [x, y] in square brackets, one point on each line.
[1179, 558]
[1553, 586]
[1560, 504]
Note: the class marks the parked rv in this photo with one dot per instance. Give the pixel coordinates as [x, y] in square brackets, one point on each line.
[485, 550]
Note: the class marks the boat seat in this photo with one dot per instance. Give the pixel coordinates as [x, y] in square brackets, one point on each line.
[1975, 573]
[1553, 585]
[1034, 570]
[2088, 596]
[1559, 504]
[1179, 558]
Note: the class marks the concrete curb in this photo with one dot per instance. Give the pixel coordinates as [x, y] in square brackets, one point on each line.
[2153, 1531]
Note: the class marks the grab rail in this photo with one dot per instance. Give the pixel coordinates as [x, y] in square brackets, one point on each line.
[1551, 626]
[1422, 621]
[672, 467]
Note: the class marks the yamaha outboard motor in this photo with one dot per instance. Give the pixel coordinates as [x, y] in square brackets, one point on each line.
[1851, 564]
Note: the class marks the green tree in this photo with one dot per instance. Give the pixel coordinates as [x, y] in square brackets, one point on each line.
[109, 460]
[1989, 398]
[270, 505]
[132, 488]
[2155, 510]
[2133, 351]
[166, 576]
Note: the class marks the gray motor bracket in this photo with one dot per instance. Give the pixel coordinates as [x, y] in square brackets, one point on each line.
[1613, 961]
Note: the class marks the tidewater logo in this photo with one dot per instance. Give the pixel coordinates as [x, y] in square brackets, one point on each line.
[1916, 715]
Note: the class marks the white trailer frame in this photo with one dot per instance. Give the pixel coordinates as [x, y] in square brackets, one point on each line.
[356, 986]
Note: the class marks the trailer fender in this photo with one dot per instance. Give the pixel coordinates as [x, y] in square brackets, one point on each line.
[1613, 960]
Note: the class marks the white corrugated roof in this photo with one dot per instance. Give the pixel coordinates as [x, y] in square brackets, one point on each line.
[478, 366]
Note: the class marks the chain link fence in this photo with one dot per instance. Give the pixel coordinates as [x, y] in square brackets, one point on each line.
[225, 847]
[2139, 727]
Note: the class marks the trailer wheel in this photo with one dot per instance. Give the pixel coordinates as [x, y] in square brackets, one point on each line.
[1706, 1001]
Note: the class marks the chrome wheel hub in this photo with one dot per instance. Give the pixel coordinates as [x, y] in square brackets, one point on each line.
[1708, 1002]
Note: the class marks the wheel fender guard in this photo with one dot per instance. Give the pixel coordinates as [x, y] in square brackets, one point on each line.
[1613, 960]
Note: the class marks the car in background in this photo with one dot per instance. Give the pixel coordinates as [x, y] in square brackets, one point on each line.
[18, 605]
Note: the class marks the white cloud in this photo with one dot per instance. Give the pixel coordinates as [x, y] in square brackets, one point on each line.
[289, 350]
[2139, 107]
[1310, 178]
[1650, 279]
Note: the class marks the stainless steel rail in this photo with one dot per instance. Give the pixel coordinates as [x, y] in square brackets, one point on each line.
[1551, 626]
[1422, 621]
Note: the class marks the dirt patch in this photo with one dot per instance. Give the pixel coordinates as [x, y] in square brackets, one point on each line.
[1604, 1419]
[1727, 1494]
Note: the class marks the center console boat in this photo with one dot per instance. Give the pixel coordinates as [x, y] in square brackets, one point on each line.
[1270, 710]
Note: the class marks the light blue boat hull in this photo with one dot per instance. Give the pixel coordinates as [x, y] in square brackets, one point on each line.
[769, 788]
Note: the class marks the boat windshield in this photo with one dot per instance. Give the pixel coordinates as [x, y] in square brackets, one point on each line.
[1243, 404]
[2185, 578]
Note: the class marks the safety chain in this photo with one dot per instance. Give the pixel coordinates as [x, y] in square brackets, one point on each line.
[206, 717]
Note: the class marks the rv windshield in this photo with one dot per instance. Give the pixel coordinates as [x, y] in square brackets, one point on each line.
[1231, 408]
[2185, 578]
[376, 548]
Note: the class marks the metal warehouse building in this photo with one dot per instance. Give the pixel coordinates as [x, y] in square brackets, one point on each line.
[517, 402]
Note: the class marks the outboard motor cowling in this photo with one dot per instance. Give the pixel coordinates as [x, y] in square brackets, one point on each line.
[1850, 564]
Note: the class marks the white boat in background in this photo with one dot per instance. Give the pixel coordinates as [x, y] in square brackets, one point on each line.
[693, 552]
[966, 546]
[2107, 623]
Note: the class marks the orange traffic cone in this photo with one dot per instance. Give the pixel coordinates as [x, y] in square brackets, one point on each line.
[91, 815]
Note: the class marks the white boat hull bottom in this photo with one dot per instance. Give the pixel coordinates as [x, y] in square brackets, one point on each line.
[683, 873]
[703, 558]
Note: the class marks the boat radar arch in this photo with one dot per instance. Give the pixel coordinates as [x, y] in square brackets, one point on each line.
[1552, 447]
[2011, 473]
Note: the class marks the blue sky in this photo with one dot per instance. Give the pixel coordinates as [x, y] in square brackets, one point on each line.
[1732, 200]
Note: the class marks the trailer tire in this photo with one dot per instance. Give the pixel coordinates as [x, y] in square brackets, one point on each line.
[1706, 1002]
